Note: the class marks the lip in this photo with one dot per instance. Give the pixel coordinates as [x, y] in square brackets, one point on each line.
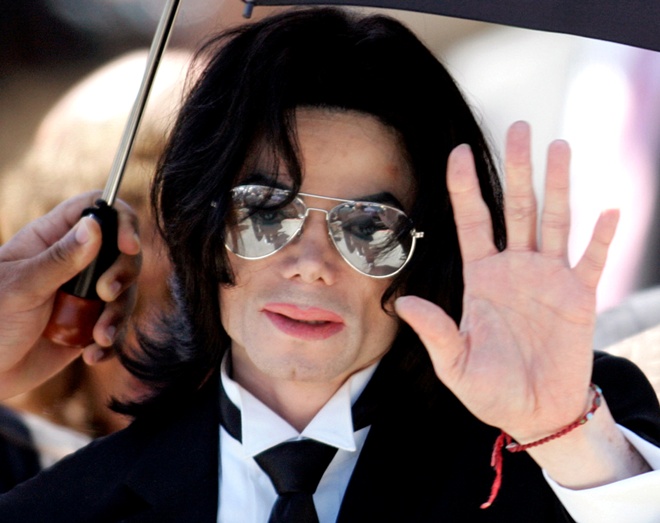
[294, 321]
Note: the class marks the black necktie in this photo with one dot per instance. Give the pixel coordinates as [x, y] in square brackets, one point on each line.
[296, 467]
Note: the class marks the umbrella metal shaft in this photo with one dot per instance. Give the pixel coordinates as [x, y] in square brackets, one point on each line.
[158, 45]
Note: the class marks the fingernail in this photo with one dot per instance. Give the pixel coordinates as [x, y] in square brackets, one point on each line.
[114, 287]
[110, 333]
[82, 232]
[401, 300]
[97, 355]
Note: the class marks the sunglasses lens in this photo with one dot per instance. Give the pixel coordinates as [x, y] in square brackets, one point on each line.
[375, 239]
[261, 224]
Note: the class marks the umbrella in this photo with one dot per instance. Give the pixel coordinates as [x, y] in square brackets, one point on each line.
[631, 22]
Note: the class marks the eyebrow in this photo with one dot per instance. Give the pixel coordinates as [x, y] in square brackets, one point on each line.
[381, 197]
[272, 180]
[262, 178]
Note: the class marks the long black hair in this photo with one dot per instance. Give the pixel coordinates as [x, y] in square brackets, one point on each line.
[256, 75]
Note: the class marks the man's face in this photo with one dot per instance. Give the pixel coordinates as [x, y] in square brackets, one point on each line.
[303, 314]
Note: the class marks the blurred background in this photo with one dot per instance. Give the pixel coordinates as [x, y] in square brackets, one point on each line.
[602, 97]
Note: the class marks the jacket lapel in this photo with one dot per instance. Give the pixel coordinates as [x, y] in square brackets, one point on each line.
[176, 477]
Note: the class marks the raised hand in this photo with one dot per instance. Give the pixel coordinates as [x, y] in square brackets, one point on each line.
[34, 264]
[522, 357]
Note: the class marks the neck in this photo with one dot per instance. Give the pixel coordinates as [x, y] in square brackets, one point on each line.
[294, 401]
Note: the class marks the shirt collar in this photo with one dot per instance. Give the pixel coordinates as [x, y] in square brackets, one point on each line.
[262, 428]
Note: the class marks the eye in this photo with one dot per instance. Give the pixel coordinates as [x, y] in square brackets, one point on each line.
[258, 202]
[363, 225]
[273, 216]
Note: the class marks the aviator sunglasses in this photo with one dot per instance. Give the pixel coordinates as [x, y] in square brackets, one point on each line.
[375, 239]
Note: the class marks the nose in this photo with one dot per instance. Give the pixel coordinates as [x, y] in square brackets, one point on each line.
[312, 256]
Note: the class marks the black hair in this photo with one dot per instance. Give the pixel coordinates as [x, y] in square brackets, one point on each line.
[257, 74]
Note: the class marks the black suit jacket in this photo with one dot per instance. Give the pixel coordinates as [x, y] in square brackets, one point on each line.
[422, 462]
[19, 459]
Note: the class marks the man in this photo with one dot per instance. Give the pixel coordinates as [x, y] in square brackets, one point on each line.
[322, 260]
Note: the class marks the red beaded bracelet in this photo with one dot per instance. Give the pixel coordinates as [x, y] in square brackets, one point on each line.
[506, 441]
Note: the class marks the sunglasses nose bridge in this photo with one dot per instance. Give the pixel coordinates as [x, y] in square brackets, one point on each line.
[308, 209]
[327, 224]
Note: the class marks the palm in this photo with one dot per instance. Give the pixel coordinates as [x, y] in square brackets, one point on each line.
[521, 359]
[527, 326]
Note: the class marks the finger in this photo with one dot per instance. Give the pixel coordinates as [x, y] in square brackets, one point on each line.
[473, 223]
[128, 239]
[519, 202]
[94, 353]
[54, 225]
[437, 331]
[64, 259]
[126, 268]
[114, 318]
[556, 216]
[590, 267]
[120, 276]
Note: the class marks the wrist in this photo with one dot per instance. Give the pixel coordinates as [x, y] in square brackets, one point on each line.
[596, 395]
[592, 455]
[588, 452]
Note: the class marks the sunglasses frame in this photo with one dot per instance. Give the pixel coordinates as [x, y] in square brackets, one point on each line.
[413, 232]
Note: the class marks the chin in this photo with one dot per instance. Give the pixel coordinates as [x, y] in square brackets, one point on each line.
[303, 371]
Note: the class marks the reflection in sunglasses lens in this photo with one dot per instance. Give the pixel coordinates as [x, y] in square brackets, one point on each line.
[375, 239]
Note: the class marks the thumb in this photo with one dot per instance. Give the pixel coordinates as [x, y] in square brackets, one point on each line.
[435, 328]
[66, 257]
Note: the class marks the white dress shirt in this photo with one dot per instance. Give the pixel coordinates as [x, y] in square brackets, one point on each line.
[250, 495]
[632, 500]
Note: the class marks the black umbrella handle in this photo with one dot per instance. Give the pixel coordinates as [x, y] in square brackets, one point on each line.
[77, 305]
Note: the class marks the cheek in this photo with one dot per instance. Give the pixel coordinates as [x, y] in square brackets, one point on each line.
[230, 299]
[236, 301]
[380, 318]
[379, 333]
[247, 271]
